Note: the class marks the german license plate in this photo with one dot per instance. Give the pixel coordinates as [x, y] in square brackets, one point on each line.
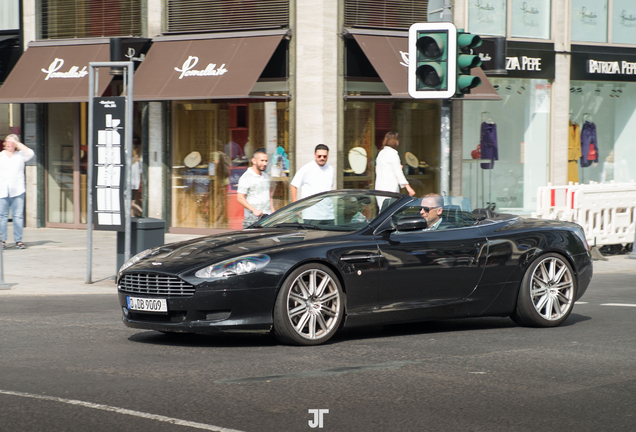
[147, 305]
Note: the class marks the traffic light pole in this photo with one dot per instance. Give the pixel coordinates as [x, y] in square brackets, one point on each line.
[445, 146]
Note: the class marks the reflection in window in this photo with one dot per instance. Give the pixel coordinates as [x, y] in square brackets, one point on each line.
[531, 19]
[487, 17]
[589, 20]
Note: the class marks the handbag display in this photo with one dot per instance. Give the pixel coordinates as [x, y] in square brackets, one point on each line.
[476, 154]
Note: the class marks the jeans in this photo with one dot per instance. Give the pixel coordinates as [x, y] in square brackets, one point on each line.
[17, 213]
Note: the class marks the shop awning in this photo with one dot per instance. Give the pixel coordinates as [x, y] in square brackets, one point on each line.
[203, 68]
[389, 57]
[55, 73]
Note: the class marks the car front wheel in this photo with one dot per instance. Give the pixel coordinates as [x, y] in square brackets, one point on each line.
[309, 306]
[547, 293]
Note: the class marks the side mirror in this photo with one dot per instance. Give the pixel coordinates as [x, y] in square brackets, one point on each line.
[412, 223]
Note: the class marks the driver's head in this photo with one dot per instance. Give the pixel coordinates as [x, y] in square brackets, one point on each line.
[431, 208]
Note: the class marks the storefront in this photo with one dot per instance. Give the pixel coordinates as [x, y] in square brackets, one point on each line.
[377, 102]
[512, 134]
[603, 109]
[9, 112]
[225, 96]
[51, 81]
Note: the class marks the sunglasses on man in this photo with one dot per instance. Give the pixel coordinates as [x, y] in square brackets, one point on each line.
[428, 209]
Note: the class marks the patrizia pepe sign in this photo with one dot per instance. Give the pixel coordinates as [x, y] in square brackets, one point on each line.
[187, 70]
[611, 67]
[56, 65]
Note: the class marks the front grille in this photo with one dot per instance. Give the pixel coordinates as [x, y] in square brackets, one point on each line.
[155, 284]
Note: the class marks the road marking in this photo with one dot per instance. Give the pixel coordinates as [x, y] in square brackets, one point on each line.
[618, 304]
[121, 411]
[580, 302]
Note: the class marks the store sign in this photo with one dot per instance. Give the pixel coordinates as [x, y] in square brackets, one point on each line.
[56, 65]
[108, 162]
[187, 70]
[597, 66]
[523, 63]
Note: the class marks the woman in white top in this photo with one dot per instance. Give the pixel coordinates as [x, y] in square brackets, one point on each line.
[12, 187]
[389, 175]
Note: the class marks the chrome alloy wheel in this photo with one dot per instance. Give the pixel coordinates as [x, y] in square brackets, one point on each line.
[552, 288]
[314, 304]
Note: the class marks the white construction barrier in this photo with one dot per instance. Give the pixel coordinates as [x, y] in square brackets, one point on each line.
[606, 211]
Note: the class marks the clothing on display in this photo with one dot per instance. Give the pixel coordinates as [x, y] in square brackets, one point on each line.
[574, 152]
[589, 145]
[488, 143]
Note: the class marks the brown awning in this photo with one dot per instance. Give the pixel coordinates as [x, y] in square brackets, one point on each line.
[389, 57]
[203, 68]
[57, 73]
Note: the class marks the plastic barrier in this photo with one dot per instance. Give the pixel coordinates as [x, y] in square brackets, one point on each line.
[606, 211]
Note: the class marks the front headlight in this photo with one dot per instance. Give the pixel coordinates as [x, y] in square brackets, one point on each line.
[236, 266]
[135, 259]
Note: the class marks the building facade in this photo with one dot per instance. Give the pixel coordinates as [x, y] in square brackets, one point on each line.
[215, 80]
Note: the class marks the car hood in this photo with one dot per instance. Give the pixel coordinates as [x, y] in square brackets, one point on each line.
[177, 257]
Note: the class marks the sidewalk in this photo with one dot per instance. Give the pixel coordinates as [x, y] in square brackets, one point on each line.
[55, 262]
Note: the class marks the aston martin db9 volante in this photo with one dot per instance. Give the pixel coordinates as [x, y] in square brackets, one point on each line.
[353, 258]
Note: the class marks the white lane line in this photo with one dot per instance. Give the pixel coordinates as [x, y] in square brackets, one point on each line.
[580, 302]
[121, 411]
[618, 304]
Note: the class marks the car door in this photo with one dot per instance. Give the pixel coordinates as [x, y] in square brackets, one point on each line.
[419, 269]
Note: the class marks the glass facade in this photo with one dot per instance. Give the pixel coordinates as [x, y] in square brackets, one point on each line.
[60, 158]
[611, 109]
[487, 17]
[589, 20]
[624, 22]
[417, 123]
[9, 14]
[530, 19]
[513, 135]
[212, 147]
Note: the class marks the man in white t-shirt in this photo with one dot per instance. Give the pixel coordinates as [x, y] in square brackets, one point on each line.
[254, 192]
[315, 177]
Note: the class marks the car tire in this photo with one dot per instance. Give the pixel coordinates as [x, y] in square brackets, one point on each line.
[547, 292]
[309, 306]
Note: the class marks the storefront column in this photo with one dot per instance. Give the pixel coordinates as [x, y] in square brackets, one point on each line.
[560, 107]
[155, 163]
[316, 32]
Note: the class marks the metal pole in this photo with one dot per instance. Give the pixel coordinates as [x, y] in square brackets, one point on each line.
[632, 254]
[89, 188]
[130, 70]
[444, 141]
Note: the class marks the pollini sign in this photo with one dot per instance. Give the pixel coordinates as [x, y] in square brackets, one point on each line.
[187, 70]
[56, 65]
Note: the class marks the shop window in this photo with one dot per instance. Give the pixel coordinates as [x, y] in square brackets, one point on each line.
[88, 18]
[213, 144]
[366, 124]
[624, 22]
[487, 17]
[384, 14]
[604, 112]
[589, 20]
[530, 19]
[9, 14]
[506, 175]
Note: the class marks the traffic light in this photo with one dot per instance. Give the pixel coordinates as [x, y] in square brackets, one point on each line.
[432, 60]
[466, 60]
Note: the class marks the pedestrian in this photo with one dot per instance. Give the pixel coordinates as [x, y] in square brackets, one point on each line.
[254, 191]
[312, 178]
[389, 175]
[12, 187]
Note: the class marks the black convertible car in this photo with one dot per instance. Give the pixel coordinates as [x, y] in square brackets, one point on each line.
[353, 258]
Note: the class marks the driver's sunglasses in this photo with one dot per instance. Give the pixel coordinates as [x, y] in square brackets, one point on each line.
[428, 209]
[322, 156]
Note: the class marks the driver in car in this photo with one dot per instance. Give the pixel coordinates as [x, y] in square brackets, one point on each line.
[431, 209]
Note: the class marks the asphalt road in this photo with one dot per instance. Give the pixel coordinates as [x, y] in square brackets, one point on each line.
[67, 363]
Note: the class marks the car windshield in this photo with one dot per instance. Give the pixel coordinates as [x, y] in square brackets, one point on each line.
[333, 211]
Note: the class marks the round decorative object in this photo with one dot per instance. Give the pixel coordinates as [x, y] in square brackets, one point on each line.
[193, 159]
[411, 160]
[358, 159]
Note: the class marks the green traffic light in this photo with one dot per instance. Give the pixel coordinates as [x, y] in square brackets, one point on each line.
[431, 46]
[430, 75]
[467, 41]
[468, 61]
[467, 82]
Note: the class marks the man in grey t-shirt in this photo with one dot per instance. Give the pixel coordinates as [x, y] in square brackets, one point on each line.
[254, 192]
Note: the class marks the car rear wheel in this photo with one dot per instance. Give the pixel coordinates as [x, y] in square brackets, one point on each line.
[547, 293]
[309, 306]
